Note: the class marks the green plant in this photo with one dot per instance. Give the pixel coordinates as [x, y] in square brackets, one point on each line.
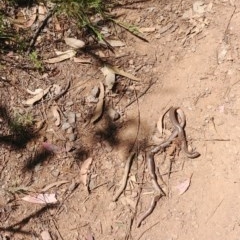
[81, 11]
[35, 60]
[21, 122]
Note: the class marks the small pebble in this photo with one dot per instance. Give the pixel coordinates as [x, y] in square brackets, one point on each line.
[131, 62]
[113, 114]
[107, 146]
[95, 92]
[78, 115]
[55, 173]
[91, 99]
[72, 137]
[65, 126]
[71, 117]
[70, 130]
[19, 155]
[112, 206]
[70, 103]
[68, 146]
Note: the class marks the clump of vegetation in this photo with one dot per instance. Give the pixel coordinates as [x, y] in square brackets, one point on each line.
[20, 123]
[36, 61]
[81, 12]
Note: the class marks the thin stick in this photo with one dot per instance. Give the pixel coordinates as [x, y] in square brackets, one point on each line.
[214, 211]
[148, 229]
[138, 124]
[135, 141]
[37, 32]
[125, 176]
[140, 95]
[136, 206]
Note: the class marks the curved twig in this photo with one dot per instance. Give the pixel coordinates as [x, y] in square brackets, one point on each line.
[150, 209]
[125, 176]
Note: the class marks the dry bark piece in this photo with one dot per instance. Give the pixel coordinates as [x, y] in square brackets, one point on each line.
[116, 43]
[45, 235]
[99, 108]
[37, 97]
[61, 57]
[84, 170]
[109, 77]
[82, 60]
[56, 115]
[35, 92]
[74, 43]
[123, 73]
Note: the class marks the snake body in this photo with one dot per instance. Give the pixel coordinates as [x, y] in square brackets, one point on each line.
[178, 131]
[181, 133]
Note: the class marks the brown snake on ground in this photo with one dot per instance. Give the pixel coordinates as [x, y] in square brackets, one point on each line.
[178, 131]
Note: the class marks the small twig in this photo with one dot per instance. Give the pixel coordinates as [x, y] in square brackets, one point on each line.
[138, 123]
[214, 211]
[136, 206]
[56, 227]
[100, 185]
[148, 229]
[227, 28]
[140, 95]
[212, 140]
[63, 92]
[125, 176]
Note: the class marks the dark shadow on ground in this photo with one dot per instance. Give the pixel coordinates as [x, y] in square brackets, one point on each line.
[16, 227]
[40, 157]
[19, 135]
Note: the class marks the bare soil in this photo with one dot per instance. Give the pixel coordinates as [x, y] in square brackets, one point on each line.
[192, 59]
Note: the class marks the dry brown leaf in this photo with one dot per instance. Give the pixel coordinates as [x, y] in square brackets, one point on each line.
[22, 23]
[55, 184]
[84, 170]
[147, 29]
[74, 43]
[42, 10]
[183, 186]
[41, 198]
[37, 97]
[116, 43]
[56, 23]
[39, 125]
[123, 73]
[56, 115]
[109, 77]
[82, 60]
[99, 108]
[35, 92]
[45, 235]
[61, 57]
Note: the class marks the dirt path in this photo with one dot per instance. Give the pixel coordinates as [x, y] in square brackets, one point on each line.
[193, 58]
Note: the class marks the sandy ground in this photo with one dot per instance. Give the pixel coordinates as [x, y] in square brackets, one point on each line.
[193, 59]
